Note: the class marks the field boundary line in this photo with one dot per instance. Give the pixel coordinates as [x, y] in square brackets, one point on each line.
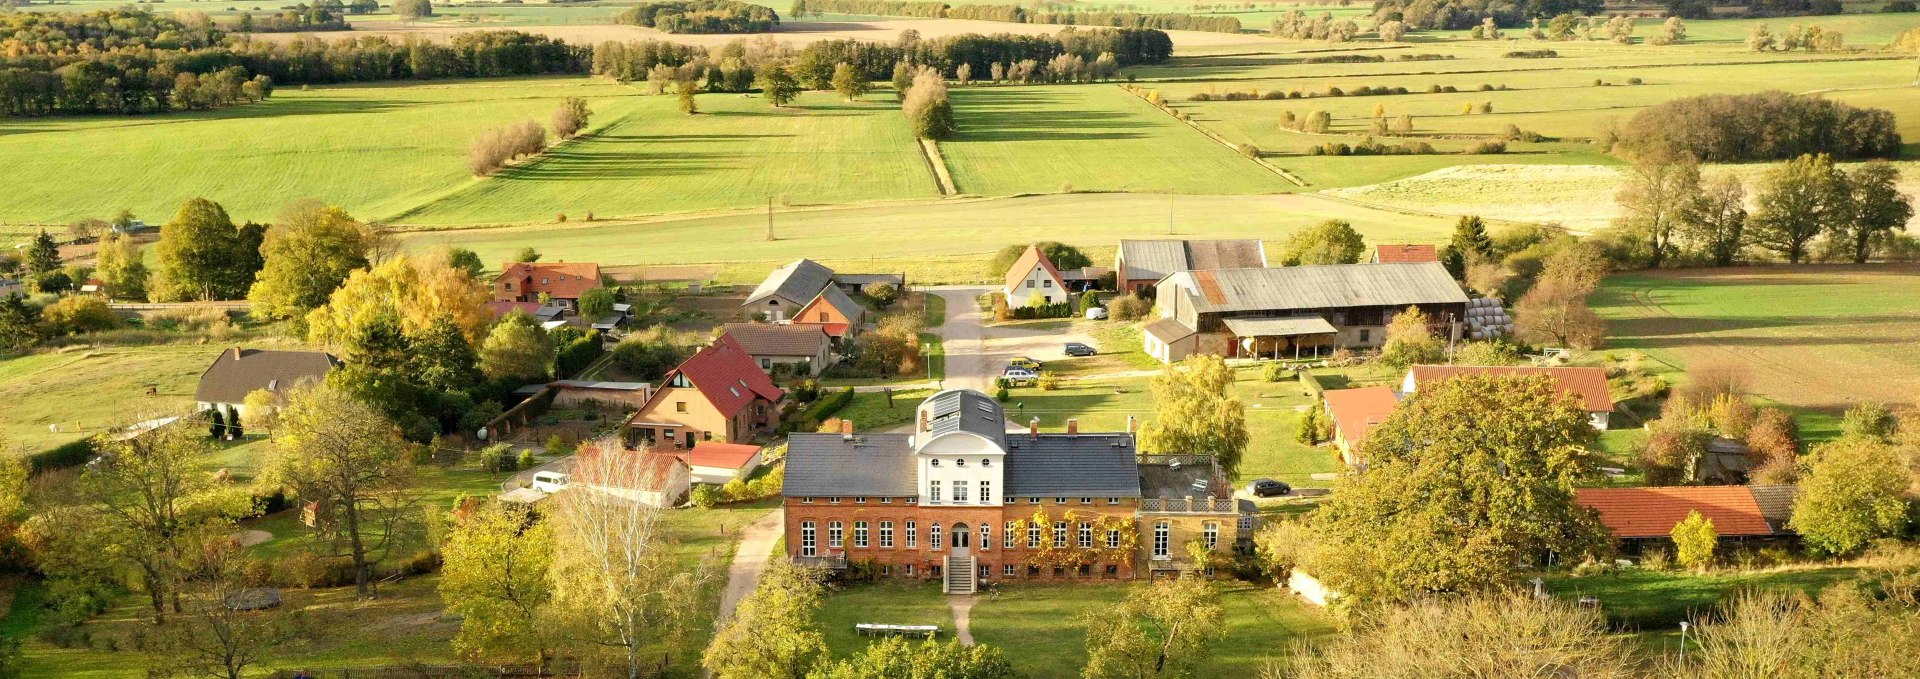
[930, 151]
[475, 182]
[1235, 148]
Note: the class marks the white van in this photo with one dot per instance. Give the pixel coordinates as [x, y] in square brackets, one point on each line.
[549, 482]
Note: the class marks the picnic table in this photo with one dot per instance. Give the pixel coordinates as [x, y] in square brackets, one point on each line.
[870, 629]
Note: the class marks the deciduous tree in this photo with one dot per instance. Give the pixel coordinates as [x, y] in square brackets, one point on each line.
[203, 256]
[773, 632]
[1495, 635]
[778, 83]
[1194, 415]
[1330, 242]
[1875, 208]
[1410, 340]
[849, 83]
[1694, 540]
[929, 114]
[216, 638]
[1853, 493]
[415, 292]
[153, 496]
[338, 452]
[1799, 199]
[1659, 188]
[495, 577]
[1161, 630]
[309, 252]
[121, 268]
[596, 304]
[898, 658]
[1714, 222]
[571, 117]
[517, 348]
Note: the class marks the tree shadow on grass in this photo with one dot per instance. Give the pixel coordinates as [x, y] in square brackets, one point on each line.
[268, 109]
[1050, 126]
[575, 167]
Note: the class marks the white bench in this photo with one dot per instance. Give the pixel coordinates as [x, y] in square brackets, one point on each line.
[870, 629]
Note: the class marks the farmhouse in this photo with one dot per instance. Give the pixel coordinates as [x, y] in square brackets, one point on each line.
[797, 284]
[798, 348]
[836, 314]
[718, 463]
[238, 372]
[1141, 263]
[1640, 516]
[1033, 280]
[718, 393]
[561, 282]
[1590, 384]
[962, 499]
[1254, 313]
[1356, 412]
[1405, 254]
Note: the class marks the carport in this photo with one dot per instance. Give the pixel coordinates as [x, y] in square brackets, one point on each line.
[1275, 337]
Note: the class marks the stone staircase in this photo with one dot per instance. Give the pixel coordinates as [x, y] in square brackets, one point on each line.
[959, 576]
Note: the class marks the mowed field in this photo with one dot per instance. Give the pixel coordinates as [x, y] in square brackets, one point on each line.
[650, 158]
[1086, 138]
[1820, 337]
[84, 391]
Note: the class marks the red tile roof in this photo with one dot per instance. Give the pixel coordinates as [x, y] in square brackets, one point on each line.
[1590, 384]
[1357, 411]
[1029, 259]
[726, 374]
[725, 455]
[563, 280]
[1652, 512]
[1405, 254]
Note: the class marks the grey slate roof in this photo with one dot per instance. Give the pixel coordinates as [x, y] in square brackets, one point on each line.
[839, 300]
[1324, 286]
[826, 465]
[1776, 504]
[969, 411]
[767, 339]
[238, 372]
[799, 281]
[1071, 465]
[1156, 259]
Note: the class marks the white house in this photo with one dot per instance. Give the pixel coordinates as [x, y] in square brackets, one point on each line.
[1033, 278]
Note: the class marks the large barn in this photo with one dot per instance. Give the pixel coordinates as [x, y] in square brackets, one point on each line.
[1297, 310]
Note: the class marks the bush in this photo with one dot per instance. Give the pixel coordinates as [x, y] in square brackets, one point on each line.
[1346, 59]
[1273, 372]
[704, 495]
[62, 456]
[1310, 385]
[1531, 54]
[1490, 146]
[810, 418]
[1900, 6]
[526, 459]
[1048, 381]
[736, 490]
[1055, 310]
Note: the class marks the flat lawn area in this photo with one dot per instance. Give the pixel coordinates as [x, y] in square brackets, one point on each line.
[1089, 138]
[1814, 337]
[84, 391]
[1039, 628]
[898, 602]
[1652, 601]
[869, 411]
[739, 152]
[933, 242]
[374, 149]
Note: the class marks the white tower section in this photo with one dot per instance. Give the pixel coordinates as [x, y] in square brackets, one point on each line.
[960, 447]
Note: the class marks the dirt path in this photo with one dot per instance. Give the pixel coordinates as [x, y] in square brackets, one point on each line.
[750, 560]
[962, 607]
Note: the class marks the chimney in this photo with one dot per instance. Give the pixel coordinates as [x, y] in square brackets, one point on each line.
[1073, 426]
[236, 353]
[1033, 428]
[1133, 425]
[846, 430]
[923, 421]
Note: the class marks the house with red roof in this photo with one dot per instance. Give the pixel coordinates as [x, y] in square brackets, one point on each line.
[1636, 516]
[1033, 279]
[719, 394]
[718, 463]
[1405, 254]
[1356, 412]
[561, 282]
[1589, 384]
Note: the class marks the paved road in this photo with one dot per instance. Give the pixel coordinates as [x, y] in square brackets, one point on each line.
[977, 353]
[750, 559]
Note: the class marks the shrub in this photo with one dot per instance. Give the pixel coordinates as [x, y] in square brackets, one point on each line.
[1532, 54]
[704, 496]
[810, 418]
[526, 459]
[1310, 385]
[1048, 381]
[1490, 146]
[1128, 307]
[62, 456]
[1273, 372]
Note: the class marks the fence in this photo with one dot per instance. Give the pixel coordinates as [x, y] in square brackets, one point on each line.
[518, 416]
[1188, 505]
[558, 669]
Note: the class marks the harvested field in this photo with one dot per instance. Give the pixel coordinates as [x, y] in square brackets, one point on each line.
[1818, 336]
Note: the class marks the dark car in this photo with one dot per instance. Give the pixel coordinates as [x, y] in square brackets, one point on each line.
[1078, 349]
[1268, 488]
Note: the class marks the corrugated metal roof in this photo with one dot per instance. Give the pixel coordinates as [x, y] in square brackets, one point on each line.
[1280, 327]
[824, 465]
[800, 280]
[1072, 465]
[1328, 286]
[1156, 259]
[1240, 253]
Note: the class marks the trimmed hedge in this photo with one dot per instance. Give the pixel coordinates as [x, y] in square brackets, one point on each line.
[809, 419]
[1310, 384]
[67, 455]
[1060, 310]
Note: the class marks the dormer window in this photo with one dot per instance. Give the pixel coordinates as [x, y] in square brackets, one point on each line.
[933, 463]
[986, 462]
[959, 463]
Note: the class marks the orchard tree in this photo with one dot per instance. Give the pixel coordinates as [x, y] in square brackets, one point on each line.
[1330, 242]
[1194, 415]
[1854, 492]
[309, 252]
[1875, 208]
[1163, 629]
[1444, 508]
[342, 454]
[1799, 199]
[496, 578]
[773, 632]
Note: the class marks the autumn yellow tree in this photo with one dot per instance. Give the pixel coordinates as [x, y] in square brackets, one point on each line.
[496, 578]
[415, 291]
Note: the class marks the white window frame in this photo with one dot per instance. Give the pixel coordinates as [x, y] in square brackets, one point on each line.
[986, 536]
[933, 537]
[807, 546]
[1211, 530]
[836, 535]
[1033, 536]
[860, 534]
[1059, 534]
[1162, 537]
[886, 535]
[911, 538]
[1084, 535]
[933, 492]
[959, 492]
[1113, 538]
[1007, 570]
[1012, 538]
[986, 492]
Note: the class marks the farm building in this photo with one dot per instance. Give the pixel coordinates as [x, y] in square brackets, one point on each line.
[836, 314]
[1356, 412]
[561, 282]
[1639, 516]
[238, 372]
[1141, 263]
[595, 392]
[798, 348]
[718, 463]
[1590, 384]
[718, 393]
[1033, 280]
[1290, 311]
[954, 499]
[797, 284]
[1405, 254]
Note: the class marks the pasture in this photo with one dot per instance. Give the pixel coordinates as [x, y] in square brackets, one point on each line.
[84, 391]
[1814, 337]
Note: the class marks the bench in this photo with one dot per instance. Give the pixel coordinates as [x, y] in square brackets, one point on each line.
[870, 629]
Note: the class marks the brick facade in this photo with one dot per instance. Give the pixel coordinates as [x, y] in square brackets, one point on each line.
[922, 555]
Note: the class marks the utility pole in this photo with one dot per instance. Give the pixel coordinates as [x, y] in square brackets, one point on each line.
[1169, 213]
[770, 218]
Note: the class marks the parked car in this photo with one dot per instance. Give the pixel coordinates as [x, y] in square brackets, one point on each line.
[1268, 488]
[1023, 363]
[549, 482]
[1096, 313]
[1078, 349]
[1020, 377]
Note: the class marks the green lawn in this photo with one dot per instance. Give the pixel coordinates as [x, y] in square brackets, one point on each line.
[869, 410]
[1652, 601]
[1086, 138]
[84, 391]
[739, 152]
[898, 602]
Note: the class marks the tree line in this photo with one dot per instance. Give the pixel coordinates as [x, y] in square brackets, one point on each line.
[1020, 15]
[327, 15]
[1465, 14]
[701, 16]
[1772, 125]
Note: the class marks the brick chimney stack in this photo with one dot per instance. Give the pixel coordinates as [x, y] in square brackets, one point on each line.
[1073, 426]
[1133, 425]
[846, 430]
[1033, 428]
[236, 353]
